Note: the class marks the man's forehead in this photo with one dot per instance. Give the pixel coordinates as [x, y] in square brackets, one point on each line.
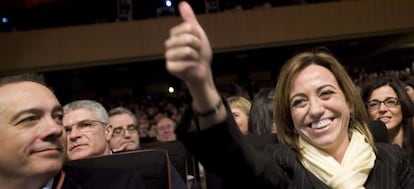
[24, 93]
[121, 117]
[77, 115]
[28, 87]
[19, 97]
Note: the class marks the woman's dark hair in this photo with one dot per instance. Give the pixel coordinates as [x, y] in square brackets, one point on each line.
[261, 112]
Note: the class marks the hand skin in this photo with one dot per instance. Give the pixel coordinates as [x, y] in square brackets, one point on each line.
[188, 57]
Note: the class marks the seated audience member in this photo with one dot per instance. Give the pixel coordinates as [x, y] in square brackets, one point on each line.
[320, 117]
[166, 139]
[152, 131]
[123, 130]
[387, 101]
[409, 87]
[240, 108]
[262, 127]
[143, 131]
[261, 119]
[165, 129]
[85, 122]
[87, 125]
[33, 141]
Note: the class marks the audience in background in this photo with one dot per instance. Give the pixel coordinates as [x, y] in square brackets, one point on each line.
[387, 101]
[165, 129]
[143, 130]
[85, 122]
[87, 125]
[262, 127]
[153, 131]
[409, 87]
[261, 120]
[240, 109]
[123, 130]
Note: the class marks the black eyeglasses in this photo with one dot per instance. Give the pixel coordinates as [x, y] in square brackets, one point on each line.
[120, 131]
[83, 126]
[389, 102]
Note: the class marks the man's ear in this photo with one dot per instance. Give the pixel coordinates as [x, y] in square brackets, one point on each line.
[108, 132]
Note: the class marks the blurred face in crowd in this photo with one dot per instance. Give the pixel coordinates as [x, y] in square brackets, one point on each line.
[143, 129]
[389, 109]
[319, 109]
[123, 134]
[165, 130]
[410, 92]
[153, 131]
[241, 119]
[86, 135]
[32, 137]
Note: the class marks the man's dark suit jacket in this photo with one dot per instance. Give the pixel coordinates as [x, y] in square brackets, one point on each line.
[223, 150]
[98, 178]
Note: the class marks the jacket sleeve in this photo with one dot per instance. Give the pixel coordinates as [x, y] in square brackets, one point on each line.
[223, 151]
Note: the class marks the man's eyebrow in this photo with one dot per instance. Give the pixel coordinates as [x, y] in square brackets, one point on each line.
[36, 111]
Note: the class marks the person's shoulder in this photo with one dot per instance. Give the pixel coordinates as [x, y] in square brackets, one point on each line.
[390, 153]
[261, 141]
[282, 153]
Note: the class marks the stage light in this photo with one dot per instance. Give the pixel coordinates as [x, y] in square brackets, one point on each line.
[168, 3]
[171, 90]
[4, 20]
[166, 8]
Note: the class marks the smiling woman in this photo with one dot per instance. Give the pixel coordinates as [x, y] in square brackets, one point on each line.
[320, 117]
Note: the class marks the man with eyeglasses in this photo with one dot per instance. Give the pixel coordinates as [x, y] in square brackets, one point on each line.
[33, 142]
[85, 122]
[123, 133]
[88, 127]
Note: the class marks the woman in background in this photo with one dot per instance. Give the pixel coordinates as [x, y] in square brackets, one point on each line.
[240, 109]
[261, 119]
[387, 101]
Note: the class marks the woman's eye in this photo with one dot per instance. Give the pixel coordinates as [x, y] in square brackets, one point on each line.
[298, 103]
[326, 94]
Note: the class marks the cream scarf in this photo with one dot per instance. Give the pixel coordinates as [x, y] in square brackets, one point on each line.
[352, 172]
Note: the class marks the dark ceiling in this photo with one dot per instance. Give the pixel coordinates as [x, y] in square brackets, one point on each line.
[385, 51]
[368, 54]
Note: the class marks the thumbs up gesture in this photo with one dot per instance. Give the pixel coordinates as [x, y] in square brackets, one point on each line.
[187, 50]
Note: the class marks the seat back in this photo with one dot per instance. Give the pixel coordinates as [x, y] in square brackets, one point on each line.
[152, 164]
[184, 163]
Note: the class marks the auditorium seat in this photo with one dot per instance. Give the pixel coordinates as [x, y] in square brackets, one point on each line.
[152, 164]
